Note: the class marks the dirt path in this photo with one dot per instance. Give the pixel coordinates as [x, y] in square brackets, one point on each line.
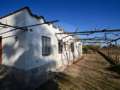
[91, 73]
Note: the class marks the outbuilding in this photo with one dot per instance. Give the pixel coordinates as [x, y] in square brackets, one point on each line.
[33, 52]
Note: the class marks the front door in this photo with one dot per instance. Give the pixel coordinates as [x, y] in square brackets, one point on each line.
[0, 50]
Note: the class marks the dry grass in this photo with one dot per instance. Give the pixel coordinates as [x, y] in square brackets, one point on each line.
[113, 53]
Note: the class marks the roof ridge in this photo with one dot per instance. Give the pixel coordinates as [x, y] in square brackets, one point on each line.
[27, 8]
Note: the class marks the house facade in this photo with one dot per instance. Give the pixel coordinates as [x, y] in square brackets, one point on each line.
[36, 50]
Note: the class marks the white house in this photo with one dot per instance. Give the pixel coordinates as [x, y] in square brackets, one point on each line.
[37, 50]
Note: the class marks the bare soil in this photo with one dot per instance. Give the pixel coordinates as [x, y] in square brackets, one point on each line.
[90, 73]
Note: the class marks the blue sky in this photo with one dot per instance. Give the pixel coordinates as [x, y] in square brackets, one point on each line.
[85, 14]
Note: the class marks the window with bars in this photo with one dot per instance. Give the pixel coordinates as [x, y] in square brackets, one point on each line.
[46, 46]
[60, 46]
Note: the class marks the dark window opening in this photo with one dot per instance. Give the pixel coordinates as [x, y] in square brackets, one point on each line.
[46, 46]
[60, 46]
[72, 47]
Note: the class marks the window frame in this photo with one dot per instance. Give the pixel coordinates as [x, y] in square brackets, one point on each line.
[46, 46]
[60, 46]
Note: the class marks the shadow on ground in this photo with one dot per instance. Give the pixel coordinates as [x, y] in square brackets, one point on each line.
[53, 84]
[115, 68]
[50, 85]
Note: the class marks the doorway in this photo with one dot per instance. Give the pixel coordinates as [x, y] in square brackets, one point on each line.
[0, 50]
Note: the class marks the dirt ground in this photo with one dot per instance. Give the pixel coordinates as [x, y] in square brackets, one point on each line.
[90, 73]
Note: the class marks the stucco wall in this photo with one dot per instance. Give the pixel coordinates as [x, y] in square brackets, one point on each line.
[25, 52]
[14, 48]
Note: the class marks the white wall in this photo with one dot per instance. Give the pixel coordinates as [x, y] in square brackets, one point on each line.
[12, 48]
[25, 52]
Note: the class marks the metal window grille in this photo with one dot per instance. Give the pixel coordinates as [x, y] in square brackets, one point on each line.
[46, 46]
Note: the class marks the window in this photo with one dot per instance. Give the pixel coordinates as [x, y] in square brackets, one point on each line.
[46, 46]
[60, 46]
[64, 44]
[72, 47]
